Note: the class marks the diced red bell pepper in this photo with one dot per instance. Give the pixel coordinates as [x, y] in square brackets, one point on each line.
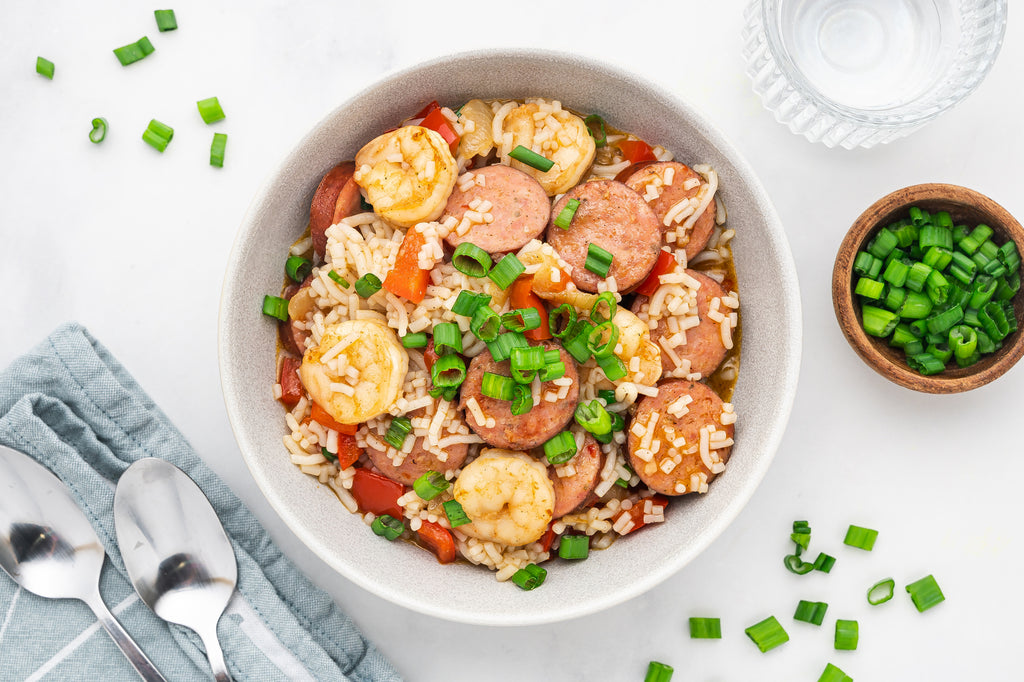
[636, 151]
[377, 494]
[546, 539]
[430, 355]
[408, 280]
[522, 296]
[348, 451]
[433, 106]
[321, 416]
[436, 121]
[291, 385]
[439, 540]
[666, 263]
[636, 512]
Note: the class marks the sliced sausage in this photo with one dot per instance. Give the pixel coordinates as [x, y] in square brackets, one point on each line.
[291, 385]
[617, 219]
[292, 337]
[519, 206]
[670, 195]
[337, 197]
[525, 431]
[705, 410]
[571, 492]
[703, 348]
[419, 460]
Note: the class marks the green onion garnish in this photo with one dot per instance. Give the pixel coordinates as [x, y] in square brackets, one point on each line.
[878, 321]
[158, 135]
[471, 260]
[824, 563]
[595, 126]
[812, 612]
[527, 358]
[455, 513]
[794, 564]
[417, 340]
[449, 371]
[604, 308]
[561, 448]
[165, 20]
[506, 271]
[387, 526]
[298, 268]
[397, 432]
[468, 301]
[430, 485]
[598, 260]
[275, 306]
[210, 110]
[658, 672]
[925, 593]
[563, 312]
[521, 320]
[869, 288]
[44, 67]
[622, 483]
[328, 455]
[552, 371]
[531, 159]
[602, 340]
[133, 52]
[447, 338]
[847, 634]
[612, 366]
[607, 395]
[834, 674]
[497, 386]
[530, 577]
[704, 628]
[368, 285]
[594, 418]
[565, 216]
[574, 547]
[522, 399]
[485, 325]
[618, 423]
[501, 347]
[767, 634]
[881, 591]
[861, 538]
[99, 130]
[217, 147]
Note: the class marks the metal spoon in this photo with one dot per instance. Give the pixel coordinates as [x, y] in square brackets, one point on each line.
[49, 547]
[176, 551]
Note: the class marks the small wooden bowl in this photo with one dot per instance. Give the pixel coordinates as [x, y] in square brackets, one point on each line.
[965, 206]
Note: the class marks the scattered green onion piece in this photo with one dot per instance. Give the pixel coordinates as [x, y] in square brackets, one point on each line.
[210, 110]
[876, 269]
[468, 302]
[417, 340]
[902, 335]
[658, 672]
[895, 273]
[44, 67]
[915, 348]
[338, 279]
[448, 371]
[364, 205]
[917, 276]
[824, 563]
[471, 260]
[881, 591]
[847, 634]
[530, 577]
[944, 321]
[165, 20]
[935, 235]
[869, 288]
[133, 52]
[445, 393]
[574, 547]
[1008, 287]
[604, 301]
[924, 363]
[925, 593]
[506, 271]
[99, 130]
[501, 347]
[552, 356]
[861, 538]
[916, 306]
[801, 526]
[982, 292]
[397, 432]
[767, 634]
[812, 612]
[705, 628]
[878, 321]
[368, 285]
[575, 343]
[595, 125]
[485, 325]
[455, 513]
[328, 455]
[972, 242]
[894, 298]
[530, 357]
[943, 218]
[552, 371]
[598, 260]
[794, 564]
[158, 135]
[883, 242]
[989, 249]
[993, 321]
[563, 312]
[862, 263]
[561, 448]
[298, 268]
[906, 234]
[834, 674]
[602, 340]
[430, 485]
[387, 526]
[612, 366]
[937, 287]
[531, 159]
[594, 418]
[565, 216]
[522, 399]
[607, 395]
[622, 483]
[217, 148]
[447, 338]
[521, 320]
[275, 306]
[802, 539]
[618, 423]
[965, 264]
[917, 215]
[964, 341]
[497, 386]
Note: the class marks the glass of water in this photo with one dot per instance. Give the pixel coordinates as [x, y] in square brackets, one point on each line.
[863, 72]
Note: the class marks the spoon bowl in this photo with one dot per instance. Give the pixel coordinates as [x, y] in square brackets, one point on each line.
[175, 550]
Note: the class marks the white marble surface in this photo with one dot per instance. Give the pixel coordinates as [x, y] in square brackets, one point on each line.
[132, 243]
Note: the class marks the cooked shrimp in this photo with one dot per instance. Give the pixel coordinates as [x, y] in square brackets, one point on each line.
[477, 140]
[559, 135]
[508, 496]
[373, 350]
[407, 175]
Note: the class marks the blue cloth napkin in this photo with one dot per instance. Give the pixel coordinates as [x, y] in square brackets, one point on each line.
[69, 404]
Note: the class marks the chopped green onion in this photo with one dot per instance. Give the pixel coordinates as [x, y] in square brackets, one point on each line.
[444, 392]
[561, 448]
[612, 366]
[964, 342]
[598, 260]
[506, 271]
[217, 147]
[834, 674]
[497, 386]
[925, 593]
[328, 455]
[883, 242]
[530, 577]
[575, 341]
[895, 273]
[607, 395]
[387, 526]
[275, 306]
[801, 538]
[594, 418]
[530, 357]
[552, 371]
[430, 485]
[165, 19]
[604, 301]
[522, 399]
[863, 262]
[158, 135]
[794, 564]
[563, 312]
[44, 67]
[210, 110]
[917, 276]
[861, 538]
[501, 347]
[767, 634]
[397, 432]
[937, 258]
[602, 340]
[565, 216]
[531, 159]
[521, 320]
[847, 634]
[338, 279]
[485, 325]
[982, 292]
[974, 240]
[812, 612]
[622, 483]
[993, 321]
[133, 52]
[298, 268]
[468, 301]
[878, 321]
[935, 235]
[574, 547]
[447, 338]
[551, 356]
[368, 285]
[618, 423]
[417, 340]
[915, 306]
[944, 321]
[471, 260]
[455, 513]
[595, 126]
[824, 563]
[705, 628]
[658, 672]
[881, 591]
[448, 371]
[99, 130]
[869, 288]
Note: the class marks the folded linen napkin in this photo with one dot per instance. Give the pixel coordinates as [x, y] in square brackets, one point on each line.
[69, 404]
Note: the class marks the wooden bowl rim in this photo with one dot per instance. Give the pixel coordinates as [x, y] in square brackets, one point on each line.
[949, 381]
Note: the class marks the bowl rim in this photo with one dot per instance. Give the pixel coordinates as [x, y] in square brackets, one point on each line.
[790, 355]
[847, 314]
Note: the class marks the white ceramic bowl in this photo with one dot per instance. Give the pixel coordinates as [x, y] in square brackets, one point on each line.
[410, 576]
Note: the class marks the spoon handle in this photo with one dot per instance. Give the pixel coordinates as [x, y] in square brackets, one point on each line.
[215, 655]
[128, 647]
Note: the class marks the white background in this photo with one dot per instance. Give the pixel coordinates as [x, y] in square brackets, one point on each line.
[133, 244]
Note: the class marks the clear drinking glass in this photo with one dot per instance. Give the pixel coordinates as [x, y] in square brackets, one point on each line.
[863, 72]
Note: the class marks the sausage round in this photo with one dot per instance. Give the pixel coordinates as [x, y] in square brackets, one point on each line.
[671, 195]
[525, 431]
[335, 198]
[519, 206]
[292, 337]
[617, 219]
[703, 348]
[572, 491]
[705, 410]
[419, 460]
